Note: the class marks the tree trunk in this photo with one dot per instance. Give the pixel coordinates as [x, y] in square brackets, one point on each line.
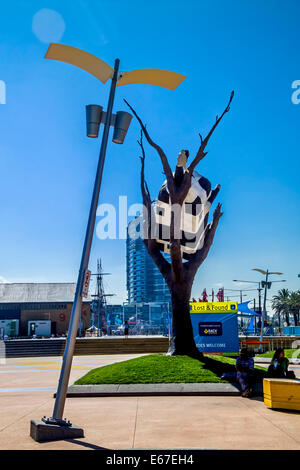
[287, 319]
[295, 318]
[182, 337]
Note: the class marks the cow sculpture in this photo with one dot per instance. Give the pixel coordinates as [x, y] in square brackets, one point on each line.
[194, 211]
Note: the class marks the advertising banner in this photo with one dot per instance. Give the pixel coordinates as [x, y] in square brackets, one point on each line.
[215, 326]
[86, 283]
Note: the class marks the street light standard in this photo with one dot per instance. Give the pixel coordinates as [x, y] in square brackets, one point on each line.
[241, 292]
[241, 299]
[267, 285]
[259, 290]
[259, 295]
[56, 427]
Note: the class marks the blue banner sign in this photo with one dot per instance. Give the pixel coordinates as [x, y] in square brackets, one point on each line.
[216, 332]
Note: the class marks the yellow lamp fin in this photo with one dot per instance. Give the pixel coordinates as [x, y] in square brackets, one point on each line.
[158, 77]
[82, 59]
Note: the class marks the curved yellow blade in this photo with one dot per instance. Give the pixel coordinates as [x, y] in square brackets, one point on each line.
[259, 270]
[82, 59]
[157, 77]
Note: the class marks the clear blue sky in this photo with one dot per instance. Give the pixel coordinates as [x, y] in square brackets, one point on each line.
[47, 165]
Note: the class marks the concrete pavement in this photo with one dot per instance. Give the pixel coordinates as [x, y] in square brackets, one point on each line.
[165, 422]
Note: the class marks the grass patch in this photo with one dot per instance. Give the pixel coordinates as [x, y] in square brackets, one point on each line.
[159, 368]
[287, 352]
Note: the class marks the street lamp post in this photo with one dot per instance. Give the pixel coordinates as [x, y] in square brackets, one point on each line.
[241, 299]
[259, 289]
[266, 284]
[261, 285]
[57, 418]
[56, 427]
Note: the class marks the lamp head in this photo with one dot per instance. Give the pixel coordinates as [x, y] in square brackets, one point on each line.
[93, 119]
[122, 123]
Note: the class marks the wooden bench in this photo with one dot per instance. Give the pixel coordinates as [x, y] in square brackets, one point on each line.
[282, 393]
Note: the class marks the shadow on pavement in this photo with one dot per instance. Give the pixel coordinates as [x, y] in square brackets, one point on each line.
[281, 410]
[257, 398]
[86, 444]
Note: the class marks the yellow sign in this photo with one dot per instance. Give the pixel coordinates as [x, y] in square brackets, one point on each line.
[213, 307]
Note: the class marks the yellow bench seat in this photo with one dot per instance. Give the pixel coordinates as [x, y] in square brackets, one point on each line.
[282, 393]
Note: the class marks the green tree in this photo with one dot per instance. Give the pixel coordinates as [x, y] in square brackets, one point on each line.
[294, 303]
[281, 304]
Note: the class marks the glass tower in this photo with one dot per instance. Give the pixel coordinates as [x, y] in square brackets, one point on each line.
[144, 280]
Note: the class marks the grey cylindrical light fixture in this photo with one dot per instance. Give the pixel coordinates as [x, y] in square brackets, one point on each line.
[122, 123]
[93, 119]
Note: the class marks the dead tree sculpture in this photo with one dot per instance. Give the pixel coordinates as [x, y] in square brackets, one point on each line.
[179, 275]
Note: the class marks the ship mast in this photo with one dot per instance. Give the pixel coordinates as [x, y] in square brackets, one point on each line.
[99, 304]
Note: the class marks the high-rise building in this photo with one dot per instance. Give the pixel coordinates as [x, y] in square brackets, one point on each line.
[144, 280]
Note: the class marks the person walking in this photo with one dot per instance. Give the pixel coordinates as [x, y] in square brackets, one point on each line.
[126, 329]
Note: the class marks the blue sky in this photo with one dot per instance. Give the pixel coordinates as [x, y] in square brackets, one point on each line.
[47, 164]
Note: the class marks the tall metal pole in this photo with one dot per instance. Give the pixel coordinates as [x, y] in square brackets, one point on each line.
[98, 318]
[264, 312]
[241, 299]
[75, 315]
[259, 299]
[169, 321]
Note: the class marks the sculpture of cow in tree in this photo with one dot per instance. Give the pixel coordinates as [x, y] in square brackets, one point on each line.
[180, 275]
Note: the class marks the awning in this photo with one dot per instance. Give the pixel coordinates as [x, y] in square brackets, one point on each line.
[245, 310]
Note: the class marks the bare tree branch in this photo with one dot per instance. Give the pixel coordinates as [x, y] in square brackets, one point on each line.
[183, 189]
[197, 258]
[144, 186]
[175, 251]
[148, 218]
[214, 193]
[201, 154]
[167, 170]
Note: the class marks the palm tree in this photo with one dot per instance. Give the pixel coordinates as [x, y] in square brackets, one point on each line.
[294, 300]
[281, 303]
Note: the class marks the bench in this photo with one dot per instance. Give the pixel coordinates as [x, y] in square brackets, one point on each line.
[282, 393]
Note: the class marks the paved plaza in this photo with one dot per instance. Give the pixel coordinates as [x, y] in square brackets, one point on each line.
[205, 422]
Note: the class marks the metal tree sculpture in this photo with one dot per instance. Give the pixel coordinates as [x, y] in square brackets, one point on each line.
[178, 275]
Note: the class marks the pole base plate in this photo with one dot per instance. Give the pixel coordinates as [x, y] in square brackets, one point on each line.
[57, 422]
[41, 431]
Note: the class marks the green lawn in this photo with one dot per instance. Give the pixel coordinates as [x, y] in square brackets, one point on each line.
[159, 368]
[287, 352]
